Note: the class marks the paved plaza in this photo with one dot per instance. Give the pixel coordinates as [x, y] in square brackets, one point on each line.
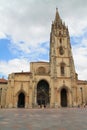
[43, 119]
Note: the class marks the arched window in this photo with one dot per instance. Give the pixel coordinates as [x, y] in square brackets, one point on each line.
[60, 40]
[62, 69]
[61, 50]
[59, 33]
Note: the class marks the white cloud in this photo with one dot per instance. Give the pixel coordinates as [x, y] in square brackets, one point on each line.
[29, 21]
[80, 58]
[14, 65]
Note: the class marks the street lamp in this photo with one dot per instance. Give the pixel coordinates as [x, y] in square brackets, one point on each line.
[81, 94]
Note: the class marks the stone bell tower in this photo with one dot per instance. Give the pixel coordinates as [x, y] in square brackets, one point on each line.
[61, 59]
[62, 68]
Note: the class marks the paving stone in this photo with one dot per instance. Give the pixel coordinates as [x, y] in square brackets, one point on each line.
[43, 119]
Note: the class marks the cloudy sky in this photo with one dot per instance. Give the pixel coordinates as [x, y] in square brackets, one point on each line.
[25, 32]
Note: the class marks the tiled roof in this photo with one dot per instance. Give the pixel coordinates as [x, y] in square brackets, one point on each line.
[40, 62]
[22, 72]
[2, 80]
[82, 82]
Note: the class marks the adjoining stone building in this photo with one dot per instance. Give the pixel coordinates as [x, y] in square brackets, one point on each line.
[3, 92]
[50, 84]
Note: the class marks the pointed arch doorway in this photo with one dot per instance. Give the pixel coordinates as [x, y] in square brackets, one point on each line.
[43, 93]
[64, 97]
[21, 100]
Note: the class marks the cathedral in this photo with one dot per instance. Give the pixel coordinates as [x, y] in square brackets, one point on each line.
[52, 84]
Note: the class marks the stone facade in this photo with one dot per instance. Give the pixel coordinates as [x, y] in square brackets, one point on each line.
[3, 92]
[49, 84]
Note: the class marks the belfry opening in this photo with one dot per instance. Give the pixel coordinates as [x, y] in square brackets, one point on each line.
[21, 100]
[43, 93]
[64, 97]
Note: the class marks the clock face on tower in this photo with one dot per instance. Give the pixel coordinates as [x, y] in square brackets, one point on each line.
[61, 50]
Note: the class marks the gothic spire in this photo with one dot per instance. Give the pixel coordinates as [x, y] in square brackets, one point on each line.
[57, 17]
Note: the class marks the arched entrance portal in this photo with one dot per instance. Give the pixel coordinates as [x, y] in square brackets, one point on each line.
[63, 97]
[43, 93]
[21, 100]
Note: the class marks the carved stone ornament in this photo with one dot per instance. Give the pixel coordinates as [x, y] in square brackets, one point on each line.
[41, 70]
